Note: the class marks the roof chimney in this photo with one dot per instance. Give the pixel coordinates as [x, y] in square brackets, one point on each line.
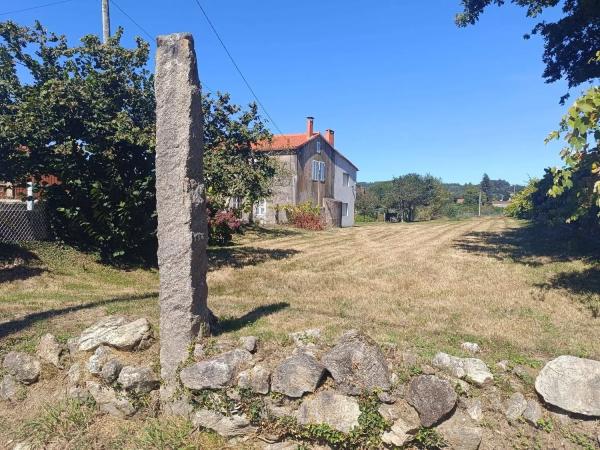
[329, 136]
[310, 126]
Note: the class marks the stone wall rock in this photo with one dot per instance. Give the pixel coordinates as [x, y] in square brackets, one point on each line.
[515, 406]
[227, 426]
[329, 407]
[471, 369]
[23, 367]
[256, 379]
[433, 398]
[111, 370]
[138, 379]
[110, 401]
[9, 388]
[50, 350]
[460, 433]
[297, 375]
[215, 373]
[100, 357]
[572, 384]
[117, 332]
[533, 413]
[357, 364]
[249, 343]
[400, 433]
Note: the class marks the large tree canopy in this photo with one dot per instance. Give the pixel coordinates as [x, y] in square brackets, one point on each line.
[86, 114]
[570, 43]
[410, 192]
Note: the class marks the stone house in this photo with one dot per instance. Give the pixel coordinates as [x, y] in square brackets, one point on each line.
[312, 170]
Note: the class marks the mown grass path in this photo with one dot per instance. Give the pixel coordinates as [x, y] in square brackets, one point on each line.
[426, 286]
[523, 295]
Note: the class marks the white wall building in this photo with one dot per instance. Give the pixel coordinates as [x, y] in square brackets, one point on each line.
[315, 172]
[344, 187]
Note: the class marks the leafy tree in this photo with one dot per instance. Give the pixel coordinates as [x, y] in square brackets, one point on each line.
[570, 42]
[381, 189]
[580, 176]
[471, 195]
[502, 189]
[367, 202]
[486, 189]
[87, 115]
[231, 168]
[536, 203]
[522, 204]
[410, 192]
[439, 203]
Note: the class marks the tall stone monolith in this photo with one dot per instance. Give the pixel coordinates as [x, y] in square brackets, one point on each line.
[180, 204]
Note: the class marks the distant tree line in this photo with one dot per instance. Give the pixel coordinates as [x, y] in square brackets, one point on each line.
[414, 197]
[494, 190]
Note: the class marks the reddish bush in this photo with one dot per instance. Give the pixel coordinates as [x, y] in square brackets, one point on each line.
[305, 216]
[221, 226]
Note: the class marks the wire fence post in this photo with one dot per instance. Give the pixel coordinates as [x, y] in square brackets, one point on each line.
[19, 223]
[29, 196]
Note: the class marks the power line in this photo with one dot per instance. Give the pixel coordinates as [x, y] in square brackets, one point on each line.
[237, 67]
[144, 30]
[14, 11]
[148, 35]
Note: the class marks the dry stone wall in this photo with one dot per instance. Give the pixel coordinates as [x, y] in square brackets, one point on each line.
[350, 393]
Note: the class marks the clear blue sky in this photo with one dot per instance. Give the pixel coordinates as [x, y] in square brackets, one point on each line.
[404, 89]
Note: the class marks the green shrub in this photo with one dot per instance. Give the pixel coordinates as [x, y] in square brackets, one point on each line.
[428, 438]
[521, 206]
[360, 218]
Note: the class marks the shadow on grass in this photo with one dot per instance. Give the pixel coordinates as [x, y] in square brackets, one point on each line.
[18, 263]
[238, 257]
[263, 232]
[226, 325]
[585, 285]
[533, 245]
[13, 326]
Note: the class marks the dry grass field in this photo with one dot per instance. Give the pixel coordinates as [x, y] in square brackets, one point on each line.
[426, 287]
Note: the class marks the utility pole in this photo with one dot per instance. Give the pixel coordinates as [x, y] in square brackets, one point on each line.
[105, 21]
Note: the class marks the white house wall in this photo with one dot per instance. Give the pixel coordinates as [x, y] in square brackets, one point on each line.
[345, 194]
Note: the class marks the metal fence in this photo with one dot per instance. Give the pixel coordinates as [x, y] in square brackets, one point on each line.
[19, 224]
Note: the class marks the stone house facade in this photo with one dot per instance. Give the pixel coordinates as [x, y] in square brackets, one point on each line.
[312, 170]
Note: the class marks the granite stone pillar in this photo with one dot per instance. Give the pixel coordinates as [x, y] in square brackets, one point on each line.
[180, 204]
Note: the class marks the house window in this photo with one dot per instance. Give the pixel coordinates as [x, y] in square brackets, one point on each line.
[318, 146]
[346, 179]
[236, 203]
[260, 208]
[315, 170]
[318, 170]
[345, 209]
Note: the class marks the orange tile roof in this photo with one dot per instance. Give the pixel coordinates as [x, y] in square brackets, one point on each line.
[281, 142]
